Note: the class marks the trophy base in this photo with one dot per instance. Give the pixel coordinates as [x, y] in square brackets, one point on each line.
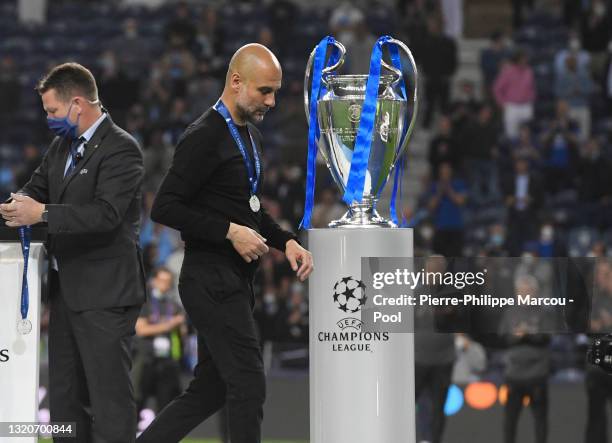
[363, 215]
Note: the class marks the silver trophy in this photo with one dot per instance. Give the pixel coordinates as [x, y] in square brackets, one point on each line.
[339, 112]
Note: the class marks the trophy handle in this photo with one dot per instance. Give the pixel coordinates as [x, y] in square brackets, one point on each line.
[415, 102]
[326, 70]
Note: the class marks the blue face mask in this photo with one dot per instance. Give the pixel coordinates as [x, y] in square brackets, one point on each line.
[63, 127]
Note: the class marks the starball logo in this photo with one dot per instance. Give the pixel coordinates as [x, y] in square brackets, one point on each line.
[349, 295]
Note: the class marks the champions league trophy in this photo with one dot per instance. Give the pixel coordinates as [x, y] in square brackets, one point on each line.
[365, 123]
[361, 382]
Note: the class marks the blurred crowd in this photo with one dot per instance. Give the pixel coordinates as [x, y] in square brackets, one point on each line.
[518, 164]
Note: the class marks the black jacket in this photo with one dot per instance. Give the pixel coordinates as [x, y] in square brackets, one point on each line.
[94, 218]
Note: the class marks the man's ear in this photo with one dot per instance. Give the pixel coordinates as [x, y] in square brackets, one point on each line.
[78, 104]
[235, 81]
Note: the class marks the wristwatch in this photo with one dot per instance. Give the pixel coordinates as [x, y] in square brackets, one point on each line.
[45, 215]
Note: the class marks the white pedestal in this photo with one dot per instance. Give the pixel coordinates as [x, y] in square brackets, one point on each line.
[19, 373]
[361, 384]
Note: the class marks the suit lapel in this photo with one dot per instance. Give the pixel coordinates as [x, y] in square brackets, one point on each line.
[92, 146]
[57, 173]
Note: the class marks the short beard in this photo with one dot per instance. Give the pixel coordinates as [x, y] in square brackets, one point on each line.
[245, 115]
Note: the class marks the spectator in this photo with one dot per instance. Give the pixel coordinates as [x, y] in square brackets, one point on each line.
[160, 326]
[466, 96]
[482, 137]
[595, 183]
[180, 32]
[136, 123]
[447, 197]
[157, 92]
[10, 90]
[210, 37]
[596, 31]
[527, 363]
[283, 16]
[434, 351]
[549, 243]
[292, 317]
[575, 86]
[158, 156]
[177, 120]
[438, 57]
[523, 199]
[359, 49]
[117, 91]
[495, 245]
[518, 11]
[514, 91]
[443, 147]
[178, 65]
[525, 146]
[343, 21]
[574, 47]
[32, 158]
[560, 150]
[132, 50]
[491, 59]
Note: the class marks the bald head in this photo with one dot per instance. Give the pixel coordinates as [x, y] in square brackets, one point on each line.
[253, 60]
[253, 77]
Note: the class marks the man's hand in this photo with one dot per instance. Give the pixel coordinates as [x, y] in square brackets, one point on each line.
[247, 242]
[299, 256]
[22, 211]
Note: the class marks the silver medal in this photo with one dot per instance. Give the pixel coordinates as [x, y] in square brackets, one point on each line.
[254, 203]
[24, 326]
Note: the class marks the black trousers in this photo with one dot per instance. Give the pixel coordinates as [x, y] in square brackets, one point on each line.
[438, 379]
[219, 302]
[599, 393]
[89, 371]
[537, 391]
[161, 379]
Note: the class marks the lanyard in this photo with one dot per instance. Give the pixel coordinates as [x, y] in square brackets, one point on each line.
[24, 237]
[317, 89]
[253, 175]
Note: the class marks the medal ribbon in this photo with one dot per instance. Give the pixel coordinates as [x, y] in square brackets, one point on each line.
[253, 175]
[25, 233]
[317, 88]
[361, 153]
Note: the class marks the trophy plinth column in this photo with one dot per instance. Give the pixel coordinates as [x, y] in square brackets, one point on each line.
[19, 353]
[361, 384]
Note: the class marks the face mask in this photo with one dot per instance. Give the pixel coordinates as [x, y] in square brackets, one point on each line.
[497, 239]
[574, 44]
[63, 127]
[546, 234]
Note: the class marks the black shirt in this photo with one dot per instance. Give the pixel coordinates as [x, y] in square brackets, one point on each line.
[207, 187]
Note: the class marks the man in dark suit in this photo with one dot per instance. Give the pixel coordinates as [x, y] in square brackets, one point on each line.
[523, 198]
[88, 190]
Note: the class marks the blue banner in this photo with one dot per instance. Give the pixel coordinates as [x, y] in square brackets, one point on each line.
[316, 90]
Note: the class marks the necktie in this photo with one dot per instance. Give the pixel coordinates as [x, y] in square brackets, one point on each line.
[74, 155]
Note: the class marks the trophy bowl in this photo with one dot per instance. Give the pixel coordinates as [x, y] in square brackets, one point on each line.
[339, 115]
